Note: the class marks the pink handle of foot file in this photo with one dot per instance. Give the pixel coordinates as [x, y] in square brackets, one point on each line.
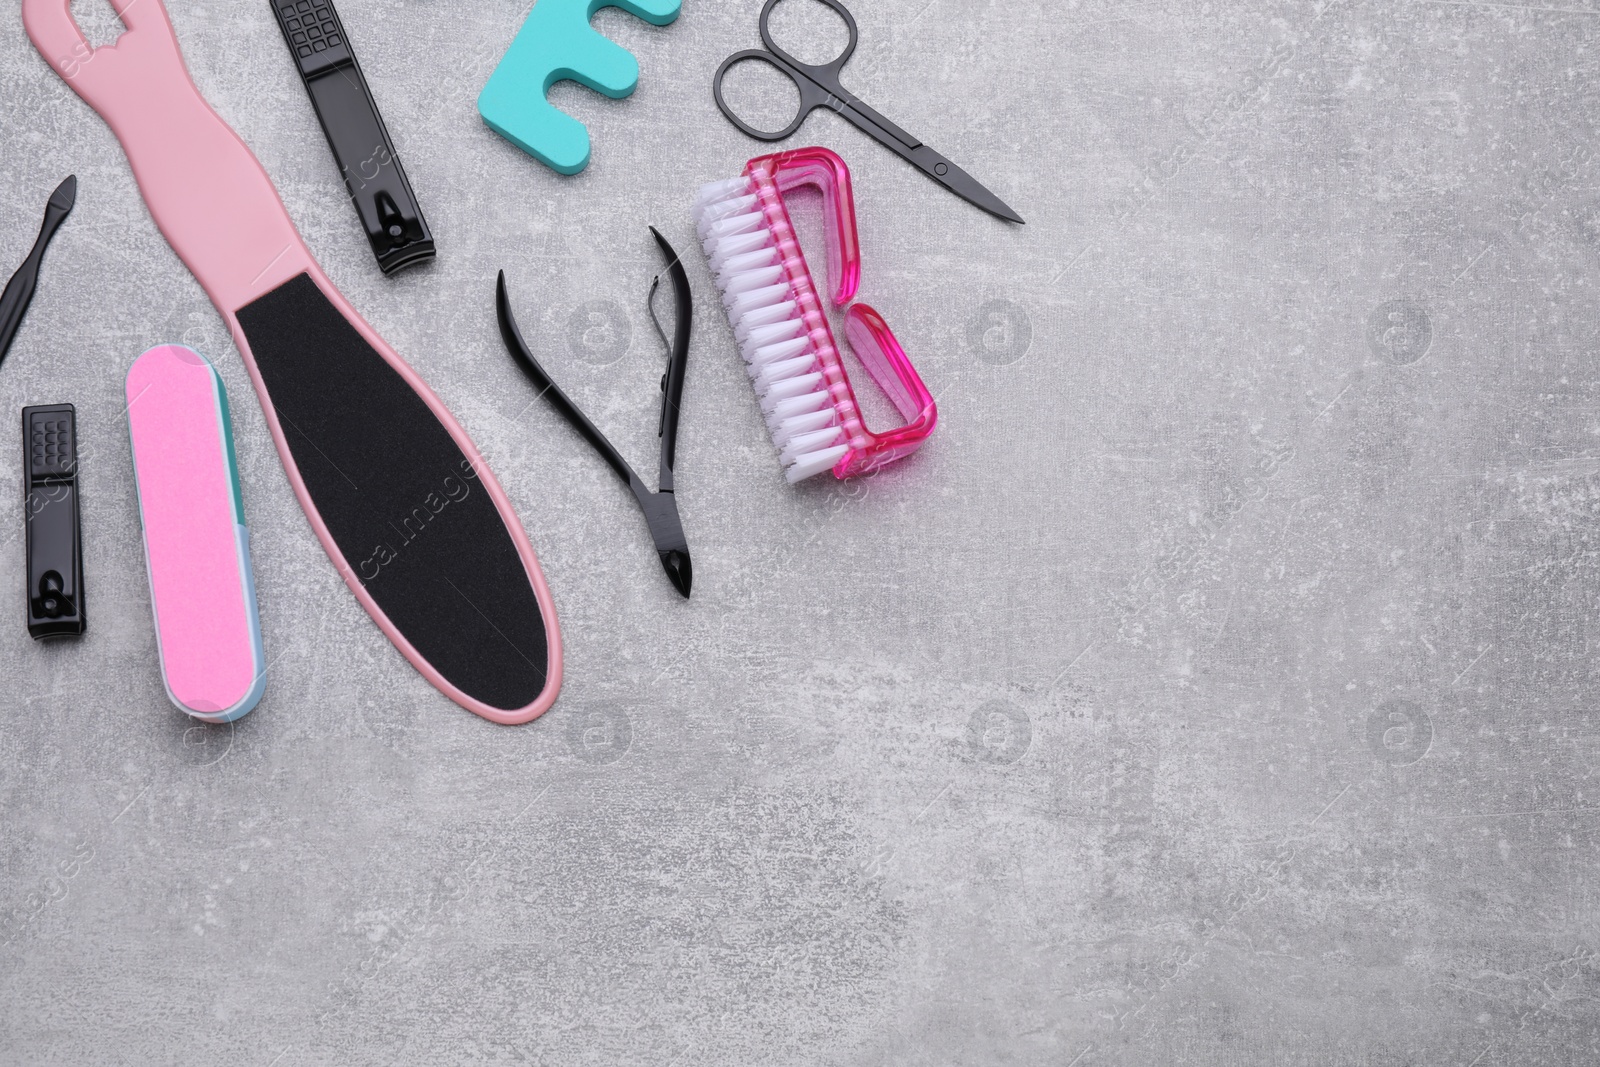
[196, 545]
[401, 500]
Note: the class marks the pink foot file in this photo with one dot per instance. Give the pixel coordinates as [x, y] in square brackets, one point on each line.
[395, 490]
[195, 542]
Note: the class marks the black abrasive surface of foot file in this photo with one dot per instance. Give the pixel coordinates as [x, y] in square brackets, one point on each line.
[400, 498]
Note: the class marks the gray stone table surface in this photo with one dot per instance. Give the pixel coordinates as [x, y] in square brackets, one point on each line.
[1216, 687]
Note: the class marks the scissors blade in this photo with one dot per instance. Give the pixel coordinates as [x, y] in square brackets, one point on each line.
[960, 182]
[916, 153]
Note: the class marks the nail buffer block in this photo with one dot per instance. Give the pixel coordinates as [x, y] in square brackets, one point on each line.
[196, 545]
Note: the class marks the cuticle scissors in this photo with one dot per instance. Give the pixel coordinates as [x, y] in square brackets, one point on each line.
[819, 86]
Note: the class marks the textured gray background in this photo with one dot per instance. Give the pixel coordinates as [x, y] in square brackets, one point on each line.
[1215, 688]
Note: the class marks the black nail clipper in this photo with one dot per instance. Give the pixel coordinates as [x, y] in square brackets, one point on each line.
[660, 508]
[372, 173]
[55, 541]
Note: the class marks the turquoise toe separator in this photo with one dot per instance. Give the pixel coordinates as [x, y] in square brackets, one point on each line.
[556, 43]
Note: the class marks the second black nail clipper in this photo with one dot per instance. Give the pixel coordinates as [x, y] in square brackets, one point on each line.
[377, 184]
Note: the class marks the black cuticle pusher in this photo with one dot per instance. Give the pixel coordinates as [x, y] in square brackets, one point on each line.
[660, 508]
[19, 290]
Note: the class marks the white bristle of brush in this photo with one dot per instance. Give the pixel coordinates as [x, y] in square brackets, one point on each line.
[777, 348]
